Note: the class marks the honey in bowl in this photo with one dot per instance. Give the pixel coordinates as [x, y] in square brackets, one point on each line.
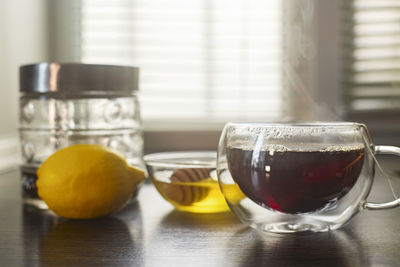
[188, 181]
[192, 190]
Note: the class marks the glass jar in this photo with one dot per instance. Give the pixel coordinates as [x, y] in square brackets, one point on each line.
[65, 104]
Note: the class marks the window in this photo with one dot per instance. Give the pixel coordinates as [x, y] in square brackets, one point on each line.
[371, 66]
[206, 61]
[372, 56]
[210, 61]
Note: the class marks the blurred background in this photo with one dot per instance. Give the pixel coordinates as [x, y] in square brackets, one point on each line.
[206, 62]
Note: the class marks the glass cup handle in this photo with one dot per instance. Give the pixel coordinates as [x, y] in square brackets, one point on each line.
[392, 150]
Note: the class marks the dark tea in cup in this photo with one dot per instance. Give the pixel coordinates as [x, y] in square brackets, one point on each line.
[293, 181]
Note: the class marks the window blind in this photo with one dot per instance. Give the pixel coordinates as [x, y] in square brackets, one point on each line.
[372, 55]
[205, 60]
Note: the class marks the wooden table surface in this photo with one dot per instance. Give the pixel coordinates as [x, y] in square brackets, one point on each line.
[149, 232]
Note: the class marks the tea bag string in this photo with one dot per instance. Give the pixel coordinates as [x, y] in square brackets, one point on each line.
[387, 176]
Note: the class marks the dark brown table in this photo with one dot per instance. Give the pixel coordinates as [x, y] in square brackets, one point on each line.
[149, 232]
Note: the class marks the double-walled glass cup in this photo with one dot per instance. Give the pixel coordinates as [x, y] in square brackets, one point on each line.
[298, 177]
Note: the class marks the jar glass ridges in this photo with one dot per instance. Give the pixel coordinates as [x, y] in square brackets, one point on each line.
[65, 104]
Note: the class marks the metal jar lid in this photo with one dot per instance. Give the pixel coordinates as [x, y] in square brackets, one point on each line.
[77, 78]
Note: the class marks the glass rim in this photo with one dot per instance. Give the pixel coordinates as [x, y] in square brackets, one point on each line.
[333, 124]
[176, 159]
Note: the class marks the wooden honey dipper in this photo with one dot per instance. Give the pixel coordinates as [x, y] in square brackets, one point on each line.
[186, 195]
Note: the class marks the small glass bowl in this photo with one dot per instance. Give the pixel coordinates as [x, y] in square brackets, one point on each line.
[188, 180]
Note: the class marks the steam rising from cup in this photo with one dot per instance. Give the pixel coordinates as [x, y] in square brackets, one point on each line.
[299, 54]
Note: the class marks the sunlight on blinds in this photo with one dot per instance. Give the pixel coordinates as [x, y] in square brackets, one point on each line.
[208, 60]
[373, 55]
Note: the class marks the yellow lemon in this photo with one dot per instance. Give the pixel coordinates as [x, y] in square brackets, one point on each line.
[86, 181]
